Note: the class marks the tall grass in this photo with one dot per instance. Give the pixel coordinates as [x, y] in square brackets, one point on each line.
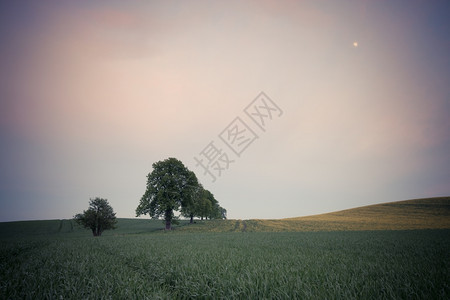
[235, 265]
[234, 259]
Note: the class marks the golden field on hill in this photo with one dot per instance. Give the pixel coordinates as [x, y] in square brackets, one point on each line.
[430, 213]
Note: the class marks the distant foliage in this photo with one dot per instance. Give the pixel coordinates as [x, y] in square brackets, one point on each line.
[203, 205]
[98, 217]
[171, 186]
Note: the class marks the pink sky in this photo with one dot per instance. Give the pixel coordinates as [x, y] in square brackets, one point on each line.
[93, 94]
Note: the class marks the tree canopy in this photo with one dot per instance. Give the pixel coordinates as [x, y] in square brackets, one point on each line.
[98, 217]
[170, 185]
[203, 205]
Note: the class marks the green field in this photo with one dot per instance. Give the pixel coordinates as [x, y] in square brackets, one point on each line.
[58, 260]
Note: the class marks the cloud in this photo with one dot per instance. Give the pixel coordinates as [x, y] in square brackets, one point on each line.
[99, 92]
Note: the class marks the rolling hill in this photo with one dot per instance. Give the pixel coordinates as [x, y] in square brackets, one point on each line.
[58, 259]
[429, 213]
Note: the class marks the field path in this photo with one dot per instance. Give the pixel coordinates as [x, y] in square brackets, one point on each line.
[240, 225]
[244, 227]
[237, 225]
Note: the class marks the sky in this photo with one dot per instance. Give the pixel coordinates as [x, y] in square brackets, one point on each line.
[355, 104]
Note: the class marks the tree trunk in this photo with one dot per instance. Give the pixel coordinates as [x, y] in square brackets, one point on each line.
[192, 219]
[168, 218]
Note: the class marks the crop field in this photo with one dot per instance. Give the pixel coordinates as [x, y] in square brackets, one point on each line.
[364, 265]
[430, 213]
[58, 260]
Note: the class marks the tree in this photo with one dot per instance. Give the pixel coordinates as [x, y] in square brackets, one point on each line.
[223, 213]
[203, 205]
[193, 207]
[98, 217]
[216, 211]
[170, 186]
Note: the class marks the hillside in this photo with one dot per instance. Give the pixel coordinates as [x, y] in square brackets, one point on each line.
[429, 213]
[70, 228]
[57, 259]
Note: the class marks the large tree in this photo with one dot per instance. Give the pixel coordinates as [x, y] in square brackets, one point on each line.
[170, 186]
[98, 217]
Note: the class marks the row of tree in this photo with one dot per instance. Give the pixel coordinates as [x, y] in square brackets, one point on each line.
[204, 205]
[170, 187]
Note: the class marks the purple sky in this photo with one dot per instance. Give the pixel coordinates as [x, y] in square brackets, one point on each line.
[93, 92]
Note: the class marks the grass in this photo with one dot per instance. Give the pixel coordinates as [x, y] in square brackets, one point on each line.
[229, 260]
[37, 229]
[362, 265]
